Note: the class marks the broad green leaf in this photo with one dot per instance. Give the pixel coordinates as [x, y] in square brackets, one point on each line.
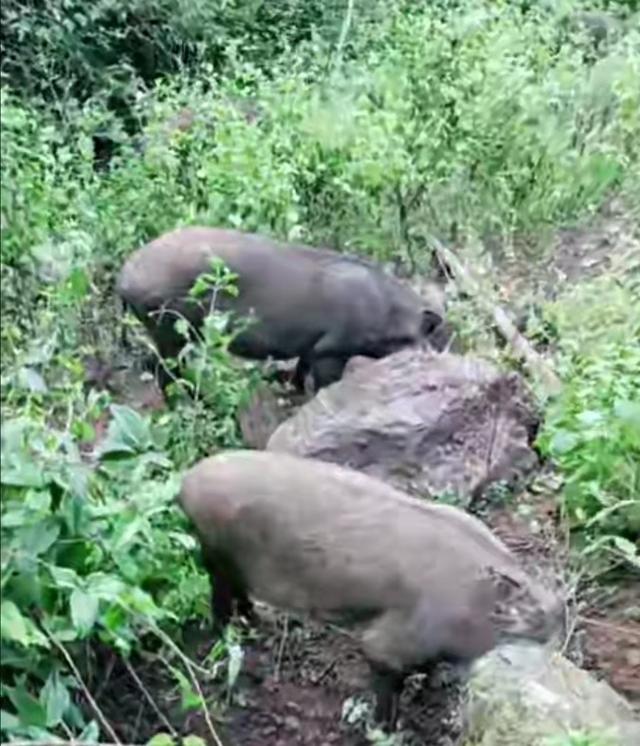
[21, 471]
[65, 577]
[55, 698]
[193, 741]
[31, 380]
[128, 433]
[190, 699]
[160, 739]
[627, 547]
[30, 711]
[185, 540]
[629, 413]
[36, 539]
[26, 589]
[141, 601]
[15, 518]
[78, 283]
[13, 626]
[84, 611]
[590, 417]
[90, 733]
[38, 502]
[18, 628]
[41, 735]
[128, 532]
[182, 327]
[562, 442]
[133, 427]
[107, 587]
[8, 722]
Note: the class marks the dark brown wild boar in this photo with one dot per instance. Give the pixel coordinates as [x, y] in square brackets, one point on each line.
[426, 582]
[316, 305]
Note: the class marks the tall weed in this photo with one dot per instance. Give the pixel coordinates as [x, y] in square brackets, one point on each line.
[592, 431]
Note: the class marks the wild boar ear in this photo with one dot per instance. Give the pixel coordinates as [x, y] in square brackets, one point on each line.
[429, 322]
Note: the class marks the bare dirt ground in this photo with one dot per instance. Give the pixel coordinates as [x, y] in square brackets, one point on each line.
[292, 689]
[604, 613]
[294, 682]
[608, 242]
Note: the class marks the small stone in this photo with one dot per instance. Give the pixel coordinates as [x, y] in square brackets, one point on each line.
[292, 722]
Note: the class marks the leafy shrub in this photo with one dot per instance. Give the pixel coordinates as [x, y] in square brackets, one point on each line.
[470, 120]
[216, 385]
[463, 118]
[86, 550]
[593, 430]
[44, 178]
[581, 738]
[112, 48]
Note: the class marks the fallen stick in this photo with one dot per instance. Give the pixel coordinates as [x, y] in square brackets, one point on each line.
[85, 690]
[62, 742]
[463, 276]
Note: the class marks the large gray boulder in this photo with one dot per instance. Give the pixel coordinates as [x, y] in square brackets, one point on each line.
[428, 423]
[522, 696]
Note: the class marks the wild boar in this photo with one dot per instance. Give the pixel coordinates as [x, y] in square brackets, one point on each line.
[316, 305]
[423, 582]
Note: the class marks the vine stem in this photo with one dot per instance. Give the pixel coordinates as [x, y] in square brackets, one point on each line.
[346, 25]
[194, 680]
[85, 690]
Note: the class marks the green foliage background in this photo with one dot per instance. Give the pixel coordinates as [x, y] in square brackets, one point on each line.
[374, 126]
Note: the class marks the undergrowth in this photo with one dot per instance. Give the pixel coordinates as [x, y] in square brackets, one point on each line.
[363, 130]
[592, 431]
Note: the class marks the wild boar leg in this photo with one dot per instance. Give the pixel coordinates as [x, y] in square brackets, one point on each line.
[227, 591]
[327, 370]
[302, 368]
[387, 686]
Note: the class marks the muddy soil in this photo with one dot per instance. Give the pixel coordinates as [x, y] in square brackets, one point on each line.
[610, 241]
[299, 682]
[603, 613]
[296, 683]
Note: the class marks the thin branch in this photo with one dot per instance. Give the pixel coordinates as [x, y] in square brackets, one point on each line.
[325, 672]
[94, 705]
[150, 699]
[522, 348]
[194, 681]
[61, 742]
[283, 642]
[403, 227]
[346, 24]
[492, 440]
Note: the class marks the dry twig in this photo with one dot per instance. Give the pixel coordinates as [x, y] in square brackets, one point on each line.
[194, 681]
[60, 742]
[283, 642]
[150, 699]
[94, 705]
[472, 286]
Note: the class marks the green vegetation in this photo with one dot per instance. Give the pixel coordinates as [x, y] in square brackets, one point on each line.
[361, 125]
[592, 430]
[581, 738]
